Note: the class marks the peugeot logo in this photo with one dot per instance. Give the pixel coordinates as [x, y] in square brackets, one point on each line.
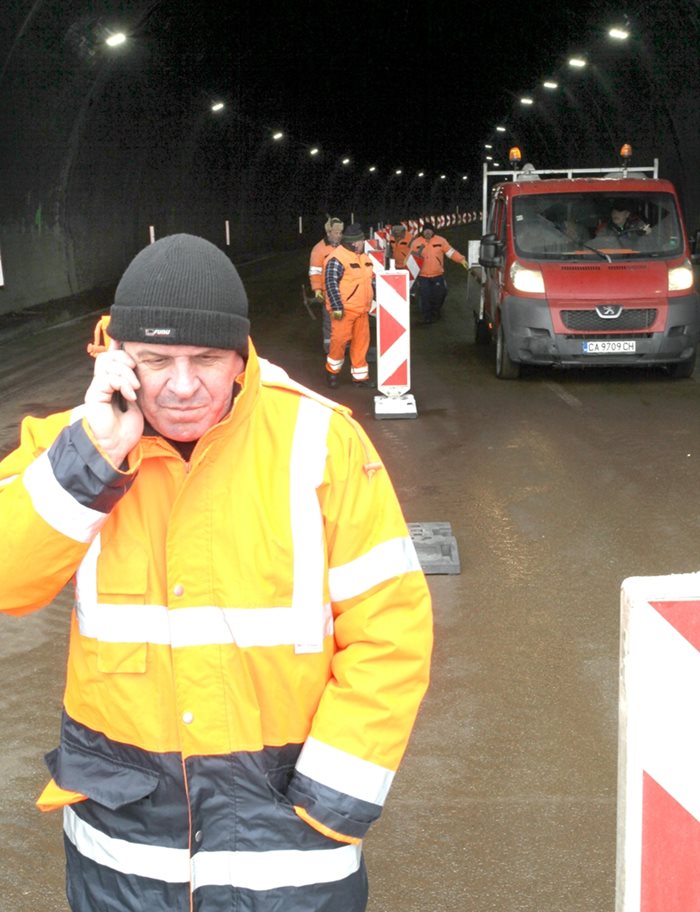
[609, 311]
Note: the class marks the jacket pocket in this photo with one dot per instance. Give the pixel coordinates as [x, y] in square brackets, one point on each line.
[122, 582]
[105, 780]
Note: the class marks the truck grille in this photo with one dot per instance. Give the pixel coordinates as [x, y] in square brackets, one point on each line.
[586, 320]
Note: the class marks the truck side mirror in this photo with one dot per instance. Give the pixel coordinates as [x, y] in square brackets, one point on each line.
[490, 251]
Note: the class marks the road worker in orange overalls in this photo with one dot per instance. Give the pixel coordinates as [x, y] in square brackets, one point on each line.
[349, 277]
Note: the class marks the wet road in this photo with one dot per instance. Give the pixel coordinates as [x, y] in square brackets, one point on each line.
[557, 486]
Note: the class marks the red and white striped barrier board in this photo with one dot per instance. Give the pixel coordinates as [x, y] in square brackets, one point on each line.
[393, 346]
[378, 258]
[414, 264]
[658, 845]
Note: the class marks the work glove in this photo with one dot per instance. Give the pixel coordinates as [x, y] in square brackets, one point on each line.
[318, 294]
[465, 264]
[337, 314]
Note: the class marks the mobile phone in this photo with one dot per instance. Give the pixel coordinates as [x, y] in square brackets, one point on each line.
[120, 400]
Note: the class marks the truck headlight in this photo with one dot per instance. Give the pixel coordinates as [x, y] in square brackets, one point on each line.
[524, 278]
[680, 278]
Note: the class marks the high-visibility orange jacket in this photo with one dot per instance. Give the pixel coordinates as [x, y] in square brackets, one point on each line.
[319, 254]
[248, 649]
[434, 251]
[400, 249]
[351, 284]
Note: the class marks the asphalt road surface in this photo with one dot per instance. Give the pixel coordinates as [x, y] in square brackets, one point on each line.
[558, 486]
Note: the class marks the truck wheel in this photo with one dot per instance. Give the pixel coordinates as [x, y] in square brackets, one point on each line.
[682, 370]
[482, 334]
[505, 368]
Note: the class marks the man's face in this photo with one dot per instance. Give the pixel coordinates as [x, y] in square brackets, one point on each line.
[334, 235]
[357, 246]
[428, 233]
[619, 216]
[185, 389]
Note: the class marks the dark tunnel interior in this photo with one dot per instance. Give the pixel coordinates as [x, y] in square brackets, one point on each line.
[98, 147]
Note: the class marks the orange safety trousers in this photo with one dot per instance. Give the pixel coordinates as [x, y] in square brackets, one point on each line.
[353, 328]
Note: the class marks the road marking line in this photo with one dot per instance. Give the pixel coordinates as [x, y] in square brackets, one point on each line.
[564, 396]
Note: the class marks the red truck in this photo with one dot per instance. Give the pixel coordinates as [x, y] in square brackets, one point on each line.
[586, 267]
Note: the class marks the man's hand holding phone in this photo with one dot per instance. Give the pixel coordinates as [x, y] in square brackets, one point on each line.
[111, 409]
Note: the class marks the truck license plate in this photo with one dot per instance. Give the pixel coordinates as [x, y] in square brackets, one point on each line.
[609, 346]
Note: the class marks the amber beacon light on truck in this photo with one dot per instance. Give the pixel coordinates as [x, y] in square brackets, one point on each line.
[585, 266]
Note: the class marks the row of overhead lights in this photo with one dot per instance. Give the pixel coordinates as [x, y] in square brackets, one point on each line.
[118, 38]
[617, 33]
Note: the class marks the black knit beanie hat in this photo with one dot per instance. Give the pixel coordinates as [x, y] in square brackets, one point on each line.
[181, 290]
[353, 233]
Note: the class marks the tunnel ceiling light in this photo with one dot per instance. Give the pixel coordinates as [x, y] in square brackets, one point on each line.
[442, 177]
[116, 39]
[488, 146]
[489, 158]
[578, 63]
[619, 34]
[314, 151]
[372, 169]
[497, 164]
[550, 84]
[526, 100]
[278, 135]
[500, 129]
[346, 161]
[421, 174]
[465, 177]
[217, 106]
[398, 171]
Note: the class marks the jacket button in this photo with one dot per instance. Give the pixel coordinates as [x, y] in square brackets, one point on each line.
[179, 589]
[187, 718]
[198, 836]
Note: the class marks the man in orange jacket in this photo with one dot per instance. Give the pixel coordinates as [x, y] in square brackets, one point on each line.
[349, 277]
[251, 631]
[431, 278]
[317, 261]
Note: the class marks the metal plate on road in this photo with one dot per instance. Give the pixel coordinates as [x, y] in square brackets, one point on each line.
[436, 547]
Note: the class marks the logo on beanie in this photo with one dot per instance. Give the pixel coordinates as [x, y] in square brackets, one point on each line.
[156, 333]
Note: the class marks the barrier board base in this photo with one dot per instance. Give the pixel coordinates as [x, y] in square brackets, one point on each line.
[435, 546]
[395, 406]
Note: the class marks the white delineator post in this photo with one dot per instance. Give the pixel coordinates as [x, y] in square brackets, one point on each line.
[658, 829]
[393, 346]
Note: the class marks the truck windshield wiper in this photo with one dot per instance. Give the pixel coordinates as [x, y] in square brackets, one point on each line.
[602, 254]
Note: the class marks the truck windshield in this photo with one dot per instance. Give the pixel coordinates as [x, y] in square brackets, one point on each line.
[596, 224]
